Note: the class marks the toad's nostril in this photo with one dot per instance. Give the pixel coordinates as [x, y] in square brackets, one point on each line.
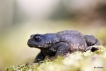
[29, 43]
[32, 36]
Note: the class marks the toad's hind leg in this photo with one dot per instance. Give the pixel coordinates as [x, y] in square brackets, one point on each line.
[63, 49]
[92, 42]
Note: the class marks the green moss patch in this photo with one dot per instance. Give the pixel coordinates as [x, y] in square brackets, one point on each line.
[77, 61]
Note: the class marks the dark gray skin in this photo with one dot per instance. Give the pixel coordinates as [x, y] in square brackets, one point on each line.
[61, 43]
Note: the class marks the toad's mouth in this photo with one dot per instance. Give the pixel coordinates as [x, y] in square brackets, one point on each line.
[29, 43]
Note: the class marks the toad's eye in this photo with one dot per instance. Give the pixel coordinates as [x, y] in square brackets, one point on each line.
[37, 38]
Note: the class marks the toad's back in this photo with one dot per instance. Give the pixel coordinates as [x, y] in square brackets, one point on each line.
[74, 38]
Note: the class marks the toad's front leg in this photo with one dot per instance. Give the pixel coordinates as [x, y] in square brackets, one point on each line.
[39, 57]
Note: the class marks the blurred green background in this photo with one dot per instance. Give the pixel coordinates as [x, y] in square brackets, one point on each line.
[21, 18]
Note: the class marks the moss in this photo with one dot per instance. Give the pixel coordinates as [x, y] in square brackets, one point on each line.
[78, 61]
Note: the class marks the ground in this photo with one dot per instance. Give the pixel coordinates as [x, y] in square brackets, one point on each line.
[78, 61]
